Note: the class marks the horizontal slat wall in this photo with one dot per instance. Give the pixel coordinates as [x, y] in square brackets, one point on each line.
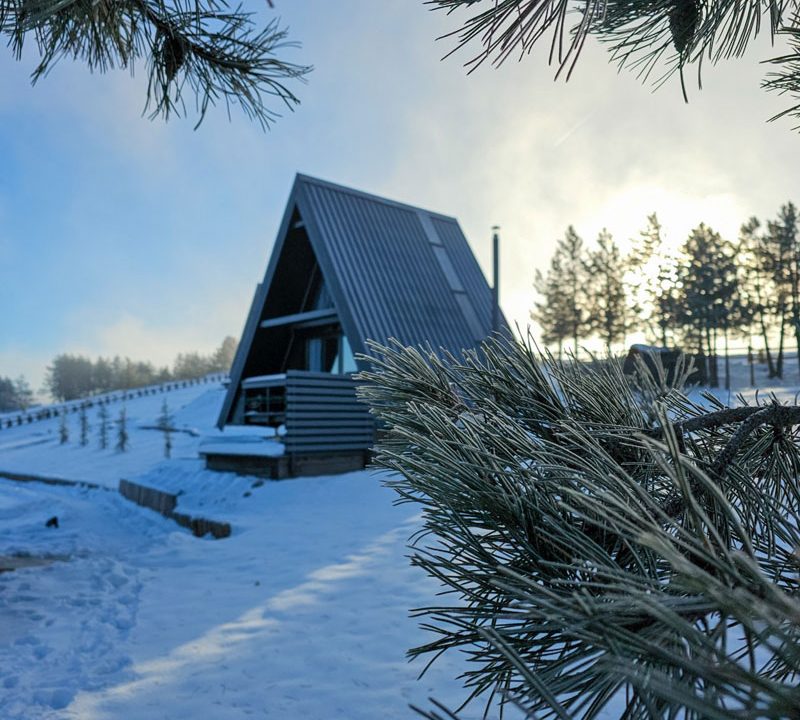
[324, 415]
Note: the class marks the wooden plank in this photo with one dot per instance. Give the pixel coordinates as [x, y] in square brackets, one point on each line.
[321, 390]
[330, 413]
[332, 434]
[320, 380]
[327, 410]
[300, 317]
[308, 401]
[316, 375]
[329, 441]
[332, 421]
[164, 503]
[258, 418]
[264, 381]
[327, 448]
[160, 501]
[202, 526]
[355, 423]
[273, 468]
[328, 464]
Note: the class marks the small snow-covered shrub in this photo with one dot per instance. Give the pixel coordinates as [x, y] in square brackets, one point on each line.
[123, 438]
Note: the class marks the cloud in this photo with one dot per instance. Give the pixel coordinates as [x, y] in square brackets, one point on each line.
[147, 239]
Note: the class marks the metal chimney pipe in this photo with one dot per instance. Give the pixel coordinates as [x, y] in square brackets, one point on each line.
[496, 279]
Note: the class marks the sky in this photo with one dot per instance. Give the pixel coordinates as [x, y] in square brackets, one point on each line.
[125, 236]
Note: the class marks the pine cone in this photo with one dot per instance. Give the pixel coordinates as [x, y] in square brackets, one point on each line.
[684, 18]
[172, 55]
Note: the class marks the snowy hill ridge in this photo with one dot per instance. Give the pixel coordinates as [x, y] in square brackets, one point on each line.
[46, 412]
[36, 448]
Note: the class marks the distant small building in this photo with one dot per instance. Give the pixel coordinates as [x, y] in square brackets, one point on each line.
[346, 267]
[668, 359]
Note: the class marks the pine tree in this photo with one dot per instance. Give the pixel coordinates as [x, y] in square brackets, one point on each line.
[223, 356]
[708, 285]
[63, 428]
[778, 262]
[782, 253]
[755, 283]
[564, 292]
[23, 392]
[608, 311]
[102, 416]
[165, 421]
[552, 313]
[15, 394]
[122, 431]
[606, 548]
[654, 277]
[83, 419]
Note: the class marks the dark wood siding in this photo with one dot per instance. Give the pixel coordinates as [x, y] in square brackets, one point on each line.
[320, 411]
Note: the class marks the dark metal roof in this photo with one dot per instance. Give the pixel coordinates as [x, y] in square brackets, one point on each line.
[394, 271]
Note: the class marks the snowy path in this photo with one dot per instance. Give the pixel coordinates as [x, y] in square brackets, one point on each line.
[64, 626]
[302, 613]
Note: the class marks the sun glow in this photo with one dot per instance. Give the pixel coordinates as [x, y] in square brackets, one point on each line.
[625, 214]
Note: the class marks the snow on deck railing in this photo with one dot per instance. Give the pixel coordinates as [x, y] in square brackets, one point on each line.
[47, 412]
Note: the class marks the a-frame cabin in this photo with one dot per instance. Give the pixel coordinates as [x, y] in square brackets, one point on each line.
[347, 267]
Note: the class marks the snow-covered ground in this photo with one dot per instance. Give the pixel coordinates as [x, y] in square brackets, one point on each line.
[785, 390]
[301, 613]
[36, 448]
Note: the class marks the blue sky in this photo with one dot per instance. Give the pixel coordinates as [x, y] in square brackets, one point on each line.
[121, 235]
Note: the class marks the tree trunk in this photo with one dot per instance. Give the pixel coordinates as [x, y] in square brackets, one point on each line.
[797, 341]
[711, 373]
[770, 364]
[796, 304]
[781, 337]
[714, 358]
[727, 361]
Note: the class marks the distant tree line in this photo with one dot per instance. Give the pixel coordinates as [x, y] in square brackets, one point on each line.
[15, 394]
[708, 292]
[70, 377]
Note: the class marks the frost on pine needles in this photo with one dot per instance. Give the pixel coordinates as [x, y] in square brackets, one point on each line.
[606, 547]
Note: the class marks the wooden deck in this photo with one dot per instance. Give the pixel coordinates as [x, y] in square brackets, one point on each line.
[289, 466]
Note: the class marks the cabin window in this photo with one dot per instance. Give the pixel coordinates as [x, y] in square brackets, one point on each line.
[344, 361]
[329, 352]
[321, 351]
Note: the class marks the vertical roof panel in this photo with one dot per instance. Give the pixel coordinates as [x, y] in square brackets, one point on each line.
[382, 253]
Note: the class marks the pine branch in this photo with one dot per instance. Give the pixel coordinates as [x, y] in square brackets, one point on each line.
[786, 80]
[200, 46]
[568, 578]
[647, 36]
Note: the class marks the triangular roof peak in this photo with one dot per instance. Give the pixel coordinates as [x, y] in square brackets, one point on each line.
[393, 270]
[302, 178]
